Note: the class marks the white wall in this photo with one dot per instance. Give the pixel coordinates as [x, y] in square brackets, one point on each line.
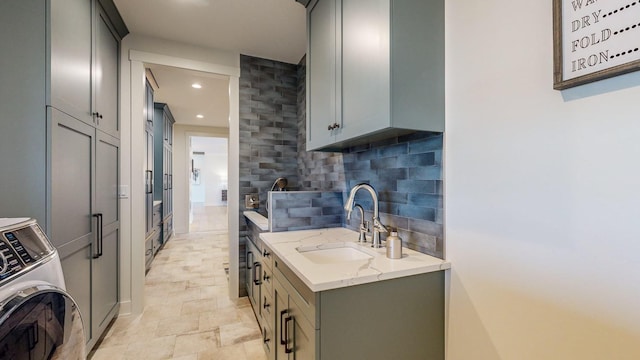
[181, 165]
[542, 195]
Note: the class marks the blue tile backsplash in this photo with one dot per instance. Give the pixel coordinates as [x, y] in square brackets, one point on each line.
[302, 210]
[406, 170]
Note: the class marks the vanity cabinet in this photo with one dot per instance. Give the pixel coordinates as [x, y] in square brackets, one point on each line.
[253, 273]
[401, 318]
[375, 69]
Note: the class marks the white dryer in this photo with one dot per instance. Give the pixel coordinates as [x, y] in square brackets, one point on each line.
[38, 318]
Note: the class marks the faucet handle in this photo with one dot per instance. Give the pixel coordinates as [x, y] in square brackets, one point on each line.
[364, 229]
[379, 227]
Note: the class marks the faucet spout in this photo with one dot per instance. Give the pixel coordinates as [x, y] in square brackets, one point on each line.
[377, 225]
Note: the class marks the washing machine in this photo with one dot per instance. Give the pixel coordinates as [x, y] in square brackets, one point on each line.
[38, 318]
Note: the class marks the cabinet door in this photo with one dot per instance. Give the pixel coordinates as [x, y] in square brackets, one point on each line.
[322, 94]
[71, 58]
[106, 76]
[149, 106]
[281, 306]
[106, 266]
[250, 257]
[365, 67]
[149, 183]
[304, 340]
[72, 224]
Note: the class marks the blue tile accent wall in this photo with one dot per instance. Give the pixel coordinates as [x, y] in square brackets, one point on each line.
[268, 133]
[407, 173]
[303, 210]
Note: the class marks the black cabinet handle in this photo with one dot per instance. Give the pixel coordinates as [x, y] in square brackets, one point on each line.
[287, 350]
[98, 235]
[283, 339]
[265, 253]
[333, 126]
[264, 336]
[256, 275]
[265, 305]
[265, 277]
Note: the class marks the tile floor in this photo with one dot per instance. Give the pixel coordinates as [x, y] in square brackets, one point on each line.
[188, 314]
[208, 218]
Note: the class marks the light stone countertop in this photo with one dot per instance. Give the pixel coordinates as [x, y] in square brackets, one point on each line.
[320, 277]
[261, 222]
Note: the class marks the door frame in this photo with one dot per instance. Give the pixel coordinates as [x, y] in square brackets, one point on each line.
[133, 273]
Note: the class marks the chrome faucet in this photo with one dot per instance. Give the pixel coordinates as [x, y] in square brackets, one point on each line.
[364, 225]
[377, 225]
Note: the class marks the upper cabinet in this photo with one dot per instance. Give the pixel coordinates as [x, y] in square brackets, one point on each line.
[85, 41]
[375, 69]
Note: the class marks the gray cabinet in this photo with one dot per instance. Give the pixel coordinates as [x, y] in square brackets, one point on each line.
[107, 45]
[400, 318]
[253, 273]
[323, 101]
[163, 164]
[71, 65]
[295, 335]
[149, 164]
[85, 217]
[375, 69]
[60, 158]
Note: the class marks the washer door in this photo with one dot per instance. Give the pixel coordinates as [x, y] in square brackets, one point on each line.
[41, 322]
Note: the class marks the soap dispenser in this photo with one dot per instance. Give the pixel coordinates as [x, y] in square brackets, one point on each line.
[394, 245]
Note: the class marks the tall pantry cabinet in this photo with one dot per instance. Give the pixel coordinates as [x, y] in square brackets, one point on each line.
[60, 139]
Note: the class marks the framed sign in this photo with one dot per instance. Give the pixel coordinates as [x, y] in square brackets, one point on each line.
[594, 40]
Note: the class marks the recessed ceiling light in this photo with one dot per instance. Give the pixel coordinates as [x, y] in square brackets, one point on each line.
[200, 116]
[196, 86]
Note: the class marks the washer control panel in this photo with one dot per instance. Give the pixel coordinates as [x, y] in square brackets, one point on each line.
[21, 246]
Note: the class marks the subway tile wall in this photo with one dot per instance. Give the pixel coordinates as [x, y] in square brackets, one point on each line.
[406, 171]
[303, 210]
[268, 133]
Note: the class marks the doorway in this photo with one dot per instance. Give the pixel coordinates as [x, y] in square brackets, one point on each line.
[208, 184]
[133, 75]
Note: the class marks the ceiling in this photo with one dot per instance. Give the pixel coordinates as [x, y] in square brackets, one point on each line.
[270, 29]
[175, 89]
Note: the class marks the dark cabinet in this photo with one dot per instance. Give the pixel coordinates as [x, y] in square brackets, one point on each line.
[163, 130]
[149, 164]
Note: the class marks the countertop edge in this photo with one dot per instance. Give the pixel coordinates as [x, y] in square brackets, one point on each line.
[437, 265]
[260, 221]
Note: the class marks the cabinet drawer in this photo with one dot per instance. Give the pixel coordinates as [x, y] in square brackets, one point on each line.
[148, 253]
[267, 309]
[268, 342]
[157, 215]
[267, 257]
[267, 278]
[157, 239]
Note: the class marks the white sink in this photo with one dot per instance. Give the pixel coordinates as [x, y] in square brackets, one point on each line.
[333, 255]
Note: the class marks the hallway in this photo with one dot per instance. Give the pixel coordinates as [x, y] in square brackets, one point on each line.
[188, 314]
